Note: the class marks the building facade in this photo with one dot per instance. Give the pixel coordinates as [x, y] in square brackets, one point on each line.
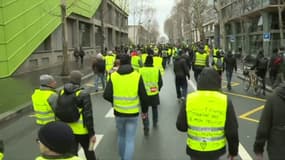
[31, 32]
[138, 35]
[249, 25]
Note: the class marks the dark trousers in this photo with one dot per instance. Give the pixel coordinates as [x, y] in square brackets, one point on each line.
[83, 140]
[154, 117]
[261, 73]
[197, 72]
[181, 84]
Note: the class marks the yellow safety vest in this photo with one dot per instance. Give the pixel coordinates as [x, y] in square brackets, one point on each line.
[207, 49]
[157, 62]
[1, 156]
[71, 158]
[125, 92]
[135, 62]
[144, 55]
[43, 111]
[215, 52]
[156, 50]
[206, 117]
[77, 127]
[216, 65]
[201, 59]
[109, 60]
[150, 77]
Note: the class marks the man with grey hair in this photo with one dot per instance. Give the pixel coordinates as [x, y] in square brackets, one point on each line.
[44, 100]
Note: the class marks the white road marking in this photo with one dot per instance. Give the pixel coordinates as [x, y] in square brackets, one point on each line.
[99, 137]
[110, 113]
[242, 151]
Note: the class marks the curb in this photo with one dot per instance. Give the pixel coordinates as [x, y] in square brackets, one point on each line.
[27, 107]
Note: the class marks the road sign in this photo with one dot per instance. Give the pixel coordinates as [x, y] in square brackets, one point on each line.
[266, 36]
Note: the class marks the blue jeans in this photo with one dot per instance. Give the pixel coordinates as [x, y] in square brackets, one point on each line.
[100, 76]
[126, 128]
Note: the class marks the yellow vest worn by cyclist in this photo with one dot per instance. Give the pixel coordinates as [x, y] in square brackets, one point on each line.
[42, 106]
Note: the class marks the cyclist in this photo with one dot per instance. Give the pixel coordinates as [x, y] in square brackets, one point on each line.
[260, 65]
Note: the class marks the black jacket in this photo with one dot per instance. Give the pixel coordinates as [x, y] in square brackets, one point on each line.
[108, 93]
[230, 63]
[180, 68]
[98, 66]
[84, 101]
[271, 128]
[210, 81]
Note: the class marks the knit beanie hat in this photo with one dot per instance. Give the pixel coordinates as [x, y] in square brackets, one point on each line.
[75, 77]
[125, 59]
[57, 136]
[46, 79]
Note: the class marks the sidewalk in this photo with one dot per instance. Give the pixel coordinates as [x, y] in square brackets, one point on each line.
[17, 90]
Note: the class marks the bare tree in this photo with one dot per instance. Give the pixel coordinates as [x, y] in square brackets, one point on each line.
[198, 20]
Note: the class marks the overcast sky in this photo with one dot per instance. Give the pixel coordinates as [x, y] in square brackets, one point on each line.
[163, 9]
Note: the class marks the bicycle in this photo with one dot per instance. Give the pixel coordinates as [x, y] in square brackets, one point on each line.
[251, 80]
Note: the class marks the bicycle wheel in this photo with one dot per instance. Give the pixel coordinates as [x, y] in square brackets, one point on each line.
[246, 83]
[257, 87]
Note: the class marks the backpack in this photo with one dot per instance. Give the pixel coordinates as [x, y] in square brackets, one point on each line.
[219, 63]
[262, 63]
[67, 108]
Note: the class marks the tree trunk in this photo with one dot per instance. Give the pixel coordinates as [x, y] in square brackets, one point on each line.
[65, 67]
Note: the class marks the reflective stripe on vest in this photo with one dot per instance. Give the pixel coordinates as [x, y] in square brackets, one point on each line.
[125, 92]
[150, 77]
[78, 127]
[206, 116]
[43, 111]
[201, 59]
[157, 62]
[71, 158]
[109, 60]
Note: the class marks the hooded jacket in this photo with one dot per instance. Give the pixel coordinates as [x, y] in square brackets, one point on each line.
[271, 128]
[210, 81]
[108, 93]
[84, 101]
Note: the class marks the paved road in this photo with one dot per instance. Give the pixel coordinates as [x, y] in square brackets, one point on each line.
[164, 143]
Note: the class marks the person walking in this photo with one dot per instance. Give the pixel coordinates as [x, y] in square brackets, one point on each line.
[76, 54]
[201, 60]
[209, 119]
[230, 65]
[153, 83]
[98, 68]
[271, 129]
[126, 102]
[81, 54]
[218, 63]
[45, 99]
[82, 126]
[55, 141]
[181, 72]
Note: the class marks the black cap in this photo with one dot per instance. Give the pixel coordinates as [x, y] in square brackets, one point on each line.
[57, 136]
